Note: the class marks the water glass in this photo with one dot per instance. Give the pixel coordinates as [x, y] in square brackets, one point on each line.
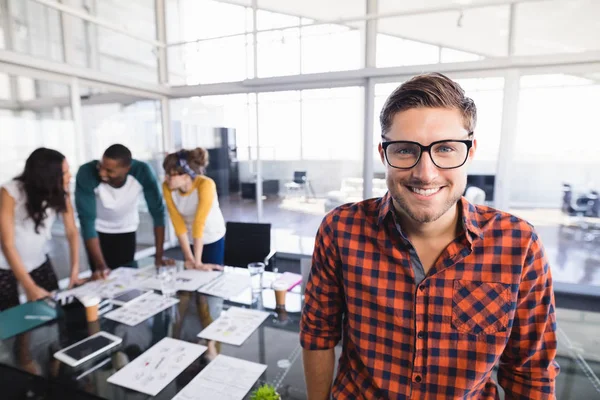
[168, 280]
[256, 270]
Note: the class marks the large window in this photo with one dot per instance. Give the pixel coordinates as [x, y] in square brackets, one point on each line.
[556, 139]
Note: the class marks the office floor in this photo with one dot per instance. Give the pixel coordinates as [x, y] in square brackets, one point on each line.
[573, 257]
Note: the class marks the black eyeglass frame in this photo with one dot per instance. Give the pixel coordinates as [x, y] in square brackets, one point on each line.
[468, 142]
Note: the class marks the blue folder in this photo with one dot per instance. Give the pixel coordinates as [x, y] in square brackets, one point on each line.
[25, 317]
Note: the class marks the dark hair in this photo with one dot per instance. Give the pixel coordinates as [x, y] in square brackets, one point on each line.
[120, 153]
[197, 159]
[428, 90]
[42, 181]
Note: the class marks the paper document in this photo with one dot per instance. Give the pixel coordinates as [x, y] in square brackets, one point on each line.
[140, 309]
[234, 326]
[228, 285]
[119, 280]
[187, 280]
[225, 378]
[152, 371]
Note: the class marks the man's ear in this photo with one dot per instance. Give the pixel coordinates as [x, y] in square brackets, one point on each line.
[473, 150]
[381, 153]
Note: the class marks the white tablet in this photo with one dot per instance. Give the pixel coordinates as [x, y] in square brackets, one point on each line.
[87, 349]
[129, 295]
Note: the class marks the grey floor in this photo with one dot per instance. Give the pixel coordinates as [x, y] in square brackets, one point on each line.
[573, 257]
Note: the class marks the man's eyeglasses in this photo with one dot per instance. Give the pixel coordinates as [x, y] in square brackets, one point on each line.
[445, 154]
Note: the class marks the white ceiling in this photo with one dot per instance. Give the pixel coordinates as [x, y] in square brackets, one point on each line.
[541, 27]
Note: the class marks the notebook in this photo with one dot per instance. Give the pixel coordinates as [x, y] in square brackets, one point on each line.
[25, 317]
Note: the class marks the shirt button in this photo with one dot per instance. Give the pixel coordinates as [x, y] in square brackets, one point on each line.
[418, 378]
[422, 288]
[421, 335]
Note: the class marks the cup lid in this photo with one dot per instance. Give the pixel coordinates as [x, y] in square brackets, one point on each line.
[90, 300]
[280, 285]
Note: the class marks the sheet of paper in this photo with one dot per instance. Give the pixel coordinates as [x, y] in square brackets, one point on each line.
[139, 310]
[187, 280]
[119, 280]
[225, 378]
[227, 285]
[152, 371]
[234, 326]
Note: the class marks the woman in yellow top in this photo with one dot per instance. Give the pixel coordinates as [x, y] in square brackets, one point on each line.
[194, 209]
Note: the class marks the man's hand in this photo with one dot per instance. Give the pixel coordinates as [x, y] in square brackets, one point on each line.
[35, 293]
[163, 261]
[101, 273]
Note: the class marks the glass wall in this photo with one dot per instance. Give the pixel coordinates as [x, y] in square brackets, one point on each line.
[313, 135]
[204, 50]
[37, 31]
[44, 120]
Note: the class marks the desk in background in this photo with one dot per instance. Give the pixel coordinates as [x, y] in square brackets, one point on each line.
[270, 188]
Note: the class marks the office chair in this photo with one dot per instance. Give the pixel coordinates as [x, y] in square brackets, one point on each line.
[248, 242]
[299, 183]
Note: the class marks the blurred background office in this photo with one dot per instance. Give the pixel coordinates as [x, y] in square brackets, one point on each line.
[286, 97]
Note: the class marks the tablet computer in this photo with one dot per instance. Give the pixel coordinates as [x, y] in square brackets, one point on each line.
[129, 295]
[87, 349]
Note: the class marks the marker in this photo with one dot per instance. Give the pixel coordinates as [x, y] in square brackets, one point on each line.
[40, 317]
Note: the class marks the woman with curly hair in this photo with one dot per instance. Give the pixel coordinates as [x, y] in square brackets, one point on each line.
[193, 207]
[29, 204]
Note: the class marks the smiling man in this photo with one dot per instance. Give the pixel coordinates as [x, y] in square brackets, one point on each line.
[106, 197]
[428, 291]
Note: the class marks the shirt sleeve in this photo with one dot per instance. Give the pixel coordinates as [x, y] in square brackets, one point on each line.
[527, 367]
[321, 322]
[206, 189]
[85, 199]
[143, 173]
[176, 218]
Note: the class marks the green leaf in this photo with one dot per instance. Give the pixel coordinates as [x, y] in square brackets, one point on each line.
[265, 392]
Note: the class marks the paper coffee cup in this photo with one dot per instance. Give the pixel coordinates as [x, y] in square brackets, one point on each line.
[280, 289]
[91, 304]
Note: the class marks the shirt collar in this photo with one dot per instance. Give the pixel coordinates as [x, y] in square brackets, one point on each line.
[468, 215]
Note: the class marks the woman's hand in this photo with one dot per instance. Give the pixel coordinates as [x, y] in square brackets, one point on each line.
[35, 293]
[209, 267]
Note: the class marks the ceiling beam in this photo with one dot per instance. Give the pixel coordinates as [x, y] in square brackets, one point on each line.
[98, 21]
[574, 63]
[15, 63]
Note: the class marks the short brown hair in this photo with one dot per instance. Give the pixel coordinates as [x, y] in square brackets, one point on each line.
[197, 159]
[428, 90]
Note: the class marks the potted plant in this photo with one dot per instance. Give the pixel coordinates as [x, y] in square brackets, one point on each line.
[265, 392]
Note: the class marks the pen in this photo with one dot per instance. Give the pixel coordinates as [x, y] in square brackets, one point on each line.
[40, 317]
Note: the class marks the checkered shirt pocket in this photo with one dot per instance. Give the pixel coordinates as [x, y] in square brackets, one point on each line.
[480, 307]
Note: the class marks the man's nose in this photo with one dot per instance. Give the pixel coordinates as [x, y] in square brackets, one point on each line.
[425, 170]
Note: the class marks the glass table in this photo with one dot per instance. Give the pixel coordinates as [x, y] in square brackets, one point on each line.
[28, 369]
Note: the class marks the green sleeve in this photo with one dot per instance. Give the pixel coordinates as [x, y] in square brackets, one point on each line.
[145, 176]
[85, 199]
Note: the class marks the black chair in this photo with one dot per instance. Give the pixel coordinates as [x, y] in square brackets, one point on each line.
[248, 242]
[300, 183]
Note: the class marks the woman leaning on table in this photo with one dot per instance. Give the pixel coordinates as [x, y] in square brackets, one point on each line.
[193, 207]
[29, 204]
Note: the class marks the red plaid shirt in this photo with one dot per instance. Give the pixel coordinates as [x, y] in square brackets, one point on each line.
[487, 300]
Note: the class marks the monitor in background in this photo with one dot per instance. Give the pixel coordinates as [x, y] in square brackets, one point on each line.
[485, 182]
